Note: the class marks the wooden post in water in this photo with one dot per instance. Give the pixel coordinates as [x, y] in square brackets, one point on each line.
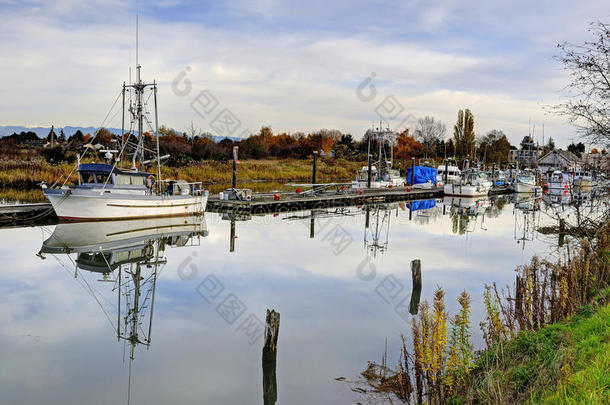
[232, 241]
[416, 293]
[315, 163]
[312, 227]
[562, 231]
[234, 180]
[272, 330]
[412, 171]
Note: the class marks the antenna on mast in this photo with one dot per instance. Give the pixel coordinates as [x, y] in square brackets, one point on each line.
[137, 29]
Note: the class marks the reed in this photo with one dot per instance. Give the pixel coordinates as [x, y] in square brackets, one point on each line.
[528, 330]
[29, 174]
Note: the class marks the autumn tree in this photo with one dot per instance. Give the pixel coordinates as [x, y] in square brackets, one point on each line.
[407, 146]
[588, 65]
[463, 134]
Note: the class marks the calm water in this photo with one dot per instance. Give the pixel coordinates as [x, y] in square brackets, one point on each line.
[337, 293]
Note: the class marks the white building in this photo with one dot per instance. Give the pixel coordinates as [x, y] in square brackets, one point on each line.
[559, 160]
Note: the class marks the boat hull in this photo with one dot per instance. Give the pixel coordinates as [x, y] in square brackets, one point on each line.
[69, 207]
[526, 188]
[465, 190]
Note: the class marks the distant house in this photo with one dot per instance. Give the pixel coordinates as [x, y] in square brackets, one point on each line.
[559, 160]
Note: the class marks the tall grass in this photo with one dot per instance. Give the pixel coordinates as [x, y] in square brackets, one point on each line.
[28, 174]
[519, 364]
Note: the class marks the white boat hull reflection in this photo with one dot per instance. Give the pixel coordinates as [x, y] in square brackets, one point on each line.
[101, 236]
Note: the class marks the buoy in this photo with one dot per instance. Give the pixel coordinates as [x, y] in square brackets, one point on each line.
[390, 186]
[298, 190]
[408, 189]
[276, 197]
[359, 191]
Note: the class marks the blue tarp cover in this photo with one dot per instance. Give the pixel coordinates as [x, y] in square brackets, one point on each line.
[422, 204]
[422, 174]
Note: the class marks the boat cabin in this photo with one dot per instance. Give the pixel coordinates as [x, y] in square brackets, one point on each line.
[104, 174]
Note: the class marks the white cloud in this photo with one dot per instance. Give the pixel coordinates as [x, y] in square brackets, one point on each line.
[64, 72]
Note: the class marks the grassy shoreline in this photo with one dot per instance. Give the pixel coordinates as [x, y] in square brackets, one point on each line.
[547, 338]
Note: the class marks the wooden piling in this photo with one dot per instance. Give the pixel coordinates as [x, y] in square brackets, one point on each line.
[416, 292]
[412, 171]
[314, 169]
[272, 329]
[234, 179]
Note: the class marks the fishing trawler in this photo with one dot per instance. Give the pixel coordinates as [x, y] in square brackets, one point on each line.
[559, 181]
[382, 174]
[111, 191]
[449, 172]
[525, 182]
[473, 183]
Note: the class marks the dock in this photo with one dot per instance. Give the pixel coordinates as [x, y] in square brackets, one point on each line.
[285, 202]
[261, 203]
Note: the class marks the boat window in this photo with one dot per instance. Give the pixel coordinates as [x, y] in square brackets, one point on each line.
[137, 180]
[124, 179]
[87, 177]
[103, 177]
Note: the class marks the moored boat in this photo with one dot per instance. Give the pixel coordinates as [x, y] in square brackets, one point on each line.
[525, 182]
[474, 183]
[109, 191]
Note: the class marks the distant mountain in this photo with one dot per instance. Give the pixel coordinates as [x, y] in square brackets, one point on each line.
[42, 132]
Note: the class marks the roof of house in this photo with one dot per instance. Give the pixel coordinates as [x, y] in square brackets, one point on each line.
[563, 153]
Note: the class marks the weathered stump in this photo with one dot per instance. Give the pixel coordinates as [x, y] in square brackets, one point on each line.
[272, 329]
[416, 292]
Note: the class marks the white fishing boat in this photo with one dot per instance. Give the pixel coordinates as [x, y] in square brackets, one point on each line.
[382, 175]
[110, 191]
[559, 181]
[525, 182]
[474, 183]
[449, 172]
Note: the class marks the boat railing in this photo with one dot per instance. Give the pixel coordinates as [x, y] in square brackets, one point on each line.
[195, 187]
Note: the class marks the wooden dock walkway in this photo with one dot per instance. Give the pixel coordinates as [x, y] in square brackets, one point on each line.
[264, 203]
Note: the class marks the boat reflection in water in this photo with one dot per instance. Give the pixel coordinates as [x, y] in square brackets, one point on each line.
[129, 255]
[526, 212]
[465, 212]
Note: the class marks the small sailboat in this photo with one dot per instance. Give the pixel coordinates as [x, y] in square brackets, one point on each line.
[110, 191]
[474, 183]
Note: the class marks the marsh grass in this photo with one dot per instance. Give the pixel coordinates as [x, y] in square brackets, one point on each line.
[548, 338]
[28, 174]
[8, 196]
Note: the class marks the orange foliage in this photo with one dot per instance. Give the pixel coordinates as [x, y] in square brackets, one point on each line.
[407, 147]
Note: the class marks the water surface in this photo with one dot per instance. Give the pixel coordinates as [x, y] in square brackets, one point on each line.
[337, 286]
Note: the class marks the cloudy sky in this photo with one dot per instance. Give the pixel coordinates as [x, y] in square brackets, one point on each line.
[296, 66]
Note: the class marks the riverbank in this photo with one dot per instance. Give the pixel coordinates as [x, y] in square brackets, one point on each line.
[547, 338]
[566, 362]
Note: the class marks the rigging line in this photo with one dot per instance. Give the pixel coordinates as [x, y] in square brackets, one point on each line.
[91, 140]
[81, 283]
